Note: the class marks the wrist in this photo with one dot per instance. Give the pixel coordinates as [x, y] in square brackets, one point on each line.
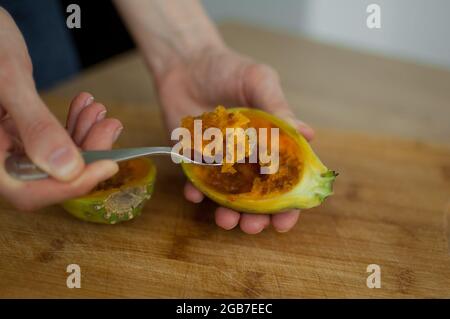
[169, 33]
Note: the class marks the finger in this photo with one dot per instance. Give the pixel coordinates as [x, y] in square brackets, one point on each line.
[306, 130]
[5, 141]
[2, 113]
[11, 131]
[45, 141]
[262, 89]
[283, 222]
[81, 101]
[287, 115]
[33, 195]
[254, 224]
[102, 135]
[8, 125]
[88, 117]
[192, 194]
[226, 218]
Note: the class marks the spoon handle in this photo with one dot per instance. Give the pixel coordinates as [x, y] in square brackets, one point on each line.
[21, 167]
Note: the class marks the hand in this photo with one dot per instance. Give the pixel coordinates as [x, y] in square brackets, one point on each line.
[221, 76]
[194, 71]
[88, 129]
[27, 124]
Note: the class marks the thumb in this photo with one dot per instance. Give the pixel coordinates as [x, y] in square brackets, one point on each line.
[262, 89]
[284, 112]
[44, 139]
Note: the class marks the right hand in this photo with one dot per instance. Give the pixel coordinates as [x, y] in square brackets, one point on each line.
[26, 123]
[219, 75]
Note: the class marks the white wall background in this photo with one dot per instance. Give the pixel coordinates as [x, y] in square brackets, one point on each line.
[418, 30]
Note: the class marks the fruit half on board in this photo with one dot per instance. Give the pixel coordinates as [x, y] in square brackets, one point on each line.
[119, 198]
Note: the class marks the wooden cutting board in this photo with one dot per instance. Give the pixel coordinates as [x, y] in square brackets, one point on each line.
[391, 207]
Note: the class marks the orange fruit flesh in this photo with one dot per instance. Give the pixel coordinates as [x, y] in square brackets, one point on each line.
[246, 178]
[129, 172]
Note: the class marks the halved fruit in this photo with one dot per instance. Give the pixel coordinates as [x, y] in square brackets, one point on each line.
[302, 181]
[119, 198]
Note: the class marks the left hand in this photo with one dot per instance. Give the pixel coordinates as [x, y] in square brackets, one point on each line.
[221, 76]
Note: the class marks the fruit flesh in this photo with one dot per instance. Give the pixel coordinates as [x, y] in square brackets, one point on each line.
[245, 178]
[222, 120]
[130, 173]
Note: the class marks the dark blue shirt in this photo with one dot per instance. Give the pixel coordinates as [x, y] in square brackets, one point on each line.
[51, 47]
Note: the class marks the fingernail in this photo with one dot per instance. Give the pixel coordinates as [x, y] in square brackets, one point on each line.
[89, 101]
[305, 129]
[303, 125]
[282, 230]
[117, 133]
[101, 115]
[63, 162]
[308, 132]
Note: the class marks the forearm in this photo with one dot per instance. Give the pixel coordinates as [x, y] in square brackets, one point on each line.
[168, 31]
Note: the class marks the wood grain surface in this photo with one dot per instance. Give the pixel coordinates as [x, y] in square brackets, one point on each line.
[391, 205]
[390, 208]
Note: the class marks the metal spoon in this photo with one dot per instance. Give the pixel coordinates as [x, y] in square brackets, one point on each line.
[21, 167]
